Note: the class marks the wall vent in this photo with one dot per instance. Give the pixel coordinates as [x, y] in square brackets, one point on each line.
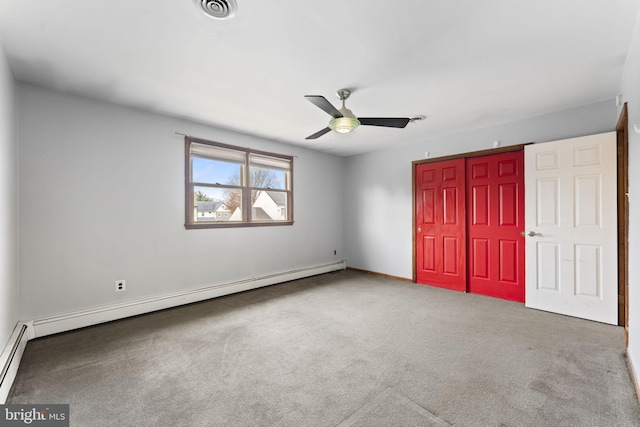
[218, 9]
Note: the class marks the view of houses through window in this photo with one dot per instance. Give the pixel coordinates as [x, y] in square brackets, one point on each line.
[232, 186]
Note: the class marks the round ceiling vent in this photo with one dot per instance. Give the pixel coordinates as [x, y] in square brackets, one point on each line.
[218, 9]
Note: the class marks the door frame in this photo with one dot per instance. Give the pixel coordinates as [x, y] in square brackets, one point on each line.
[414, 166]
[622, 133]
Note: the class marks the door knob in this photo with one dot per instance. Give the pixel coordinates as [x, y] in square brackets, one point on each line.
[533, 234]
[419, 229]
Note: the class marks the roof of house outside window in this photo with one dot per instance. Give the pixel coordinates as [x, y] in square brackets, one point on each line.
[209, 206]
[278, 197]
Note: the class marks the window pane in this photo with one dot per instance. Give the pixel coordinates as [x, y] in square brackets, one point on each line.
[270, 162]
[268, 178]
[268, 206]
[212, 171]
[217, 204]
[269, 172]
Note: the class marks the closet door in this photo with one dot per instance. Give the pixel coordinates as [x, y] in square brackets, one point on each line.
[440, 224]
[572, 242]
[495, 221]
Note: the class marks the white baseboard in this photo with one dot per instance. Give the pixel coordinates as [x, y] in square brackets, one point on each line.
[11, 356]
[80, 319]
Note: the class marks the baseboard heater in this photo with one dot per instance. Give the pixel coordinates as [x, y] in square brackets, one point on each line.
[80, 319]
[11, 356]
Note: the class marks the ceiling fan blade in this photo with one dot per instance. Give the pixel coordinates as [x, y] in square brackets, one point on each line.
[319, 133]
[390, 122]
[322, 103]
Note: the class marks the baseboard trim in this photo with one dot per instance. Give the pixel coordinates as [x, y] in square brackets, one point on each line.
[80, 319]
[10, 358]
[388, 276]
[634, 375]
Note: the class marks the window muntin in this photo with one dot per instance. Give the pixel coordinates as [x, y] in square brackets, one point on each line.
[222, 180]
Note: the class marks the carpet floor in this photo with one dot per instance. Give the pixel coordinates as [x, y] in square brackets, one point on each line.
[339, 349]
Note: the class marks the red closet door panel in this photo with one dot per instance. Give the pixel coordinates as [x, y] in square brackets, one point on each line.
[429, 254]
[480, 259]
[495, 188]
[440, 224]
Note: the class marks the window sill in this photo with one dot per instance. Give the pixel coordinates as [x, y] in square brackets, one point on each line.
[236, 225]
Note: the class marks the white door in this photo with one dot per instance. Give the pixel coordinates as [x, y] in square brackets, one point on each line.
[571, 227]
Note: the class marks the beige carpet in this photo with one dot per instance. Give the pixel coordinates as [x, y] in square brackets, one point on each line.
[341, 349]
[390, 408]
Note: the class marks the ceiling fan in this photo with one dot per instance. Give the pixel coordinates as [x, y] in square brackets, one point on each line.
[344, 121]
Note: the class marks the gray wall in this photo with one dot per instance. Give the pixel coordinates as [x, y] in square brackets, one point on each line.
[630, 89]
[378, 184]
[8, 203]
[102, 199]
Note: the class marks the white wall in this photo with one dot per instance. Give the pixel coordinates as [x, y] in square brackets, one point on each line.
[378, 185]
[630, 89]
[8, 203]
[102, 199]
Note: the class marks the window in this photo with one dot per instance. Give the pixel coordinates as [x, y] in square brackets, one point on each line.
[230, 186]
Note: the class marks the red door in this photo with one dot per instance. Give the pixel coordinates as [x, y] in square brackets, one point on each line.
[495, 202]
[440, 224]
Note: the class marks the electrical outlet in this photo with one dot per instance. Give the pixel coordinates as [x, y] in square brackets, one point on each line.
[121, 285]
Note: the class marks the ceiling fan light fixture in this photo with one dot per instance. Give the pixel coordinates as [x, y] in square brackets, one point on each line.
[344, 124]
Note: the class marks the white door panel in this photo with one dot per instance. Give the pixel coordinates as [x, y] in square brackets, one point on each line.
[571, 206]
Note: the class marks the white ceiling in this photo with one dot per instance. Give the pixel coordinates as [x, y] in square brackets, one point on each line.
[462, 63]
